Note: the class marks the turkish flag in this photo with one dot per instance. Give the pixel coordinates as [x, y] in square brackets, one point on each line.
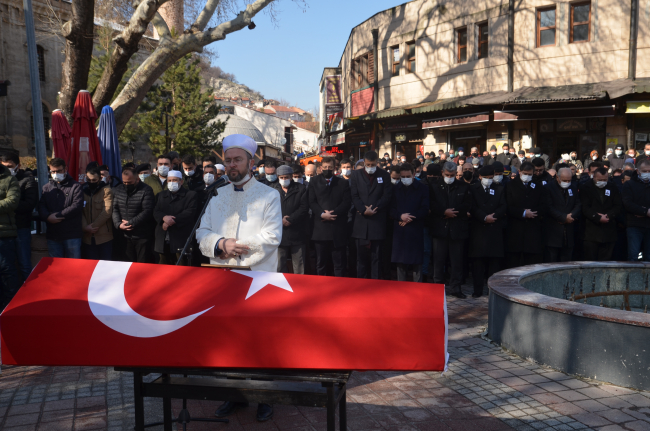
[73, 312]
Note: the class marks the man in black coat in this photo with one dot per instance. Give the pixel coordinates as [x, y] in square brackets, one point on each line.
[521, 158]
[294, 200]
[28, 201]
[526, 206]
[329, 200]
[175, 214]
[371, 191]
[559, 225]
[192, 174]
[636, 199]
[270, 176]
[449, 226]
[540, 176]
[492, 157]
[486, 228]
[539, 154]
[601, 203]
[505, 157]
[133, 205]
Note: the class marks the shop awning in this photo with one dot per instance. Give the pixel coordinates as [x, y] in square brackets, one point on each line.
[439, 105]
[549, 114]
[456, 120]
[525, 95]
[638, 107]
[622, 87]
[386, 113]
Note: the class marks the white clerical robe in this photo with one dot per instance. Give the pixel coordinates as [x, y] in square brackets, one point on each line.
[253, 217]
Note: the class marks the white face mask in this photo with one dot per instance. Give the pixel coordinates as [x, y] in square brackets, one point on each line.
[163, 171]
[173, 187]
[475, 166]
[105, 179]
[271, 177]
[407, 181]
[285, 183]
[506, 152]
[618, 152]
[308, 179]
[498, 179]
[647, 152]
[493, 153]
[601, 184]
[565, 185]
[58, 177]
[403, 160]
[594, 158]
[143, 176]
[189, 173]
[394, 181]
[298, 180]
[449, 180]
[260, 170]
[372, 170]
[460, 153]
[486, 182]
[13, 171]
[208, 178]
[526, 178]
[645, 176]
[346, 172]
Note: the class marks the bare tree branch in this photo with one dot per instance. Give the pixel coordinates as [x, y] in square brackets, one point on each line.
[126, 45]
[161, 26]
[243, 19]
[205, 16]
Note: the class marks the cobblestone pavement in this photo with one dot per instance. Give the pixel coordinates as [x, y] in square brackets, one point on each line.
[485, 389]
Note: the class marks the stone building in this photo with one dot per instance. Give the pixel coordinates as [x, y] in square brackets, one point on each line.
[16, 129]
[561, 75]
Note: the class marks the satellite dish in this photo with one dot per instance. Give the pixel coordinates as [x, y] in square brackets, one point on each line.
[283, 141]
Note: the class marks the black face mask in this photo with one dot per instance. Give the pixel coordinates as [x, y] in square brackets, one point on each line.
[475, 154]
[93, 186]
[468, 175]
[129, 188]
[328, 173]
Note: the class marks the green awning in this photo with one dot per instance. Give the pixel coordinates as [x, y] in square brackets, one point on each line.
[439, 105]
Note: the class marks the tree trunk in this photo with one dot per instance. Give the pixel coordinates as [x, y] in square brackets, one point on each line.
[126, 46]
[79, 34]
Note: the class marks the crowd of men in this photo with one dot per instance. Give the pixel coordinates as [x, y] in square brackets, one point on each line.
[438, 218]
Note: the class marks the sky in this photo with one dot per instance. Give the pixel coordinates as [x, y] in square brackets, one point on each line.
[286, 61]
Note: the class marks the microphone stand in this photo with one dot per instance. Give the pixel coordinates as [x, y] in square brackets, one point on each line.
[212, 191]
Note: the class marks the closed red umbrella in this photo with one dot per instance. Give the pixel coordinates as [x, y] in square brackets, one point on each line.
[85, 145]
[61, 135]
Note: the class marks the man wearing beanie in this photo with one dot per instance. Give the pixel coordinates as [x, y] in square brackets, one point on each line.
[492, 157]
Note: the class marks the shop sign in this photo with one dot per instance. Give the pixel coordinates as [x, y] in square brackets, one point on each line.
[641, 137]
[333, 89]
[501, 136]
[334, 150]
[400, 137]
[571, 125]
[400, 126]
[638, 107]
[612, 142]
[333, 108]
[338, 139]
[335, 122]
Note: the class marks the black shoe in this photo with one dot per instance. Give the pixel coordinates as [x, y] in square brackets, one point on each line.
[477, 295]
[228, 408]
[264, 412]
[459, 294]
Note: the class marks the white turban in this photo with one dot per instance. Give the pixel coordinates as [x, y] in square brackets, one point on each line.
[175, 174]
[242, 142]
[220, 168]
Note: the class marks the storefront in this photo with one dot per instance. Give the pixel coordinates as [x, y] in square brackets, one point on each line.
[406, 137]
[557, 137]
[639, 111]
[358, 144]
[466, 131]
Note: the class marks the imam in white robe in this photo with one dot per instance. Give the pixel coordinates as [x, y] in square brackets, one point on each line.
[253, 217]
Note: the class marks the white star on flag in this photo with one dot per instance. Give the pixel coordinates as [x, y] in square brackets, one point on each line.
[262, 279]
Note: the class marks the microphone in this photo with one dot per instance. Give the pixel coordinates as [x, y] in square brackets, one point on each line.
[221, 182]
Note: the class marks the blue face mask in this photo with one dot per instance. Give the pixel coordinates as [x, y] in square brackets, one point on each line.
[271, 178]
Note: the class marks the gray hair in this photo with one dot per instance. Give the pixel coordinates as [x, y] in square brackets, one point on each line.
[559, 173]
[449, 167]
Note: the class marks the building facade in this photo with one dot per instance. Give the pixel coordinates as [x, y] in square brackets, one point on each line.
[561, 75]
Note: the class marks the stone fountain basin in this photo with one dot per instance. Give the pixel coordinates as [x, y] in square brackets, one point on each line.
[528, 316]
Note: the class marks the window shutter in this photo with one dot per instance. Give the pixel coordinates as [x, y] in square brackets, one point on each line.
[371, 67]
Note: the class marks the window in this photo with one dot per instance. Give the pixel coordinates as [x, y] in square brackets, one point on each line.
[40, 53]
[483, 40]
[360, 72]
[546, 26]
[462, 44]
[410, 60]
[395, 55]
[580, 19]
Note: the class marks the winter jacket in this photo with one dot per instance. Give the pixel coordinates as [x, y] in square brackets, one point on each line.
[295, 204]
[521, 197]
[182, 205]
[137, 208]
[9, 201]
[28, 199]
[597, 201]
[442, 197]
[370, 190]
[195, 182]
[157, 186]
[98, 211]
[636, 200]
[64, 199]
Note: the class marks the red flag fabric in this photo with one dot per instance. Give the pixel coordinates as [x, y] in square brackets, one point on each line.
[61, 135]
[73, 312]
[85, 145]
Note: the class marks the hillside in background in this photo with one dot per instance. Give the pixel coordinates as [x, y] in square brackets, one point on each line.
[225, 84]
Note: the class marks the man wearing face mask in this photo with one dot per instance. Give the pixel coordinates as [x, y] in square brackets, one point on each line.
[270, 177]
[143, 171]
[539, 154]
[527, 203]
[108, 178]
[96, 220]
[486, 228]
[461, 152]
[61, 206]
[449, 201]
[468, 173]
[492, 157]
[310, 173]
[564, 209]
[175, 214]
[28, 201]
[575, 161]
[601, 204]
[261, 168]
[409, 209]
[158, 181]
[192, 174]
[133, 205]
[617, 160]
[636, 199]
[521, 158]
[8, 233]
[346, 169]
[540, 176]
[645, 154]
[474, 154]
[505, 158]
[394, 175]
[499, 174]
[294, 200]
[371, 192]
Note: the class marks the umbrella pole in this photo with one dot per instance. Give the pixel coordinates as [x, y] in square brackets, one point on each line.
[37, 111]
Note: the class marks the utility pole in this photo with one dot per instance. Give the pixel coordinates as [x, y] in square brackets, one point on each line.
[37, 110]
